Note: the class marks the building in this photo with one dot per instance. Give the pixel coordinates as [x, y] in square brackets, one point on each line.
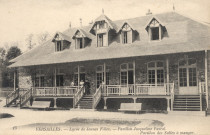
[160, 59]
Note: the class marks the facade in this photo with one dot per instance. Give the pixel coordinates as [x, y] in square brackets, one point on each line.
[161, 61]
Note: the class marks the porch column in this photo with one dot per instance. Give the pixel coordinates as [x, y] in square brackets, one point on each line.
[168, 104]
[134, 77]
[55, 77]
[55, 106]
[78, 76]
[104, 73]
[105, 107]
[167, 75]
[14, 80]
[134, 100]
[206, 78]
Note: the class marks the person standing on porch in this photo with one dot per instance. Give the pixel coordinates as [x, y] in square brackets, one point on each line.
[87, 87]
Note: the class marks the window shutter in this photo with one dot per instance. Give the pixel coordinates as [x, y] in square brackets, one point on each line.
[105, 40]
[130, 38]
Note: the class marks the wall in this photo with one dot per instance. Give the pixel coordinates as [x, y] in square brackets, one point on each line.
[26, 79]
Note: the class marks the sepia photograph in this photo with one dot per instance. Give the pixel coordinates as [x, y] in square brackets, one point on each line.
[105, 67]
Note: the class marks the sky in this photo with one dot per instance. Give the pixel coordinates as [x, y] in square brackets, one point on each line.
[20, 18]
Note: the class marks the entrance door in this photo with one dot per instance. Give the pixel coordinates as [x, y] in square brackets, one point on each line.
[188, 77]
[59, 80]
[127, 78]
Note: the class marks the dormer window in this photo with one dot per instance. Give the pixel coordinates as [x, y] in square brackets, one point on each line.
[79, 44]
[155, 33]
[58, 46]
[155, 29]
[61, 41]
[101, 28]
[100, 40]
[125, 37]
[127, 33]
[81, 39]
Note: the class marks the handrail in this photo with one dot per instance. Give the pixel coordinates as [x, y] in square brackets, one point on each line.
[172, 97]
[11, 96]
[202, 87]
[55, 91]
[97, 96]
[25, 97]
[78, 96]
[139, 89]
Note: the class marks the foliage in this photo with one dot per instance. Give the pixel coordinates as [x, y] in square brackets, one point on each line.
[13, 52]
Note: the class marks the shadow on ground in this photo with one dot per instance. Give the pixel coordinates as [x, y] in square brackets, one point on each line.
[5, 115]
[83, 122]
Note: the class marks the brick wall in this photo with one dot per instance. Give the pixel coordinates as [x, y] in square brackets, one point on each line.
[24, 78]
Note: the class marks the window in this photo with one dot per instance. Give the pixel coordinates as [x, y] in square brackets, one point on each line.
[100, 40]
[58, 43]
[125, 37]
[40, 78]
[79, 43]
[155, 33]
[100, 75]
[155, 30]
[81, 73]
[59, 80]
[187, 72]
[155, 72]
[127, 73]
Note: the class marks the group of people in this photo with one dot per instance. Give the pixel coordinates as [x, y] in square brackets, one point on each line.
[86, 84]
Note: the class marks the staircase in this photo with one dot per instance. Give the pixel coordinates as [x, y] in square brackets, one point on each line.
[18, 98]
[85, 103]
[187, 103]
[11, 99]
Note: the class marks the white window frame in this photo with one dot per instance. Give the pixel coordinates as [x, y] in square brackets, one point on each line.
[187, 66]
[156, 68]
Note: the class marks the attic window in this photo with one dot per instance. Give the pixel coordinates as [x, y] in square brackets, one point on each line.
[125, 37]
[79, 43]
[127, 34]
[58, 46]
[155, 33]
[100, 40]
[155, 30]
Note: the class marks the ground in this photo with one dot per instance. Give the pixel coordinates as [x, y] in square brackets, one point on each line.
[28, 121]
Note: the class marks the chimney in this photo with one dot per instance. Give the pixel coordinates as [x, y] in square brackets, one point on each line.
[80, 22]
[70, 25]
[149, 12]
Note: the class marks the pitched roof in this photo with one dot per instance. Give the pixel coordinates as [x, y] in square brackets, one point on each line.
[184, 35]
[104, 17]
[63, 36]
[82, 32]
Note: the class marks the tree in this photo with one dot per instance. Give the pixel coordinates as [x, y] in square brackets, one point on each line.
[2, 53]
[13, 52]
[29, 41]
[43, 37]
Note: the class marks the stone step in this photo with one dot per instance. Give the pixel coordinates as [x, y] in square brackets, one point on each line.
[188, 113]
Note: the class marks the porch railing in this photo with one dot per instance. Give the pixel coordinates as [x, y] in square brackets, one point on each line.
[11, 97]
[78, 96]
[138, 89]
[97, 96]
[24, 98]
[202, 87]
[55, 91]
